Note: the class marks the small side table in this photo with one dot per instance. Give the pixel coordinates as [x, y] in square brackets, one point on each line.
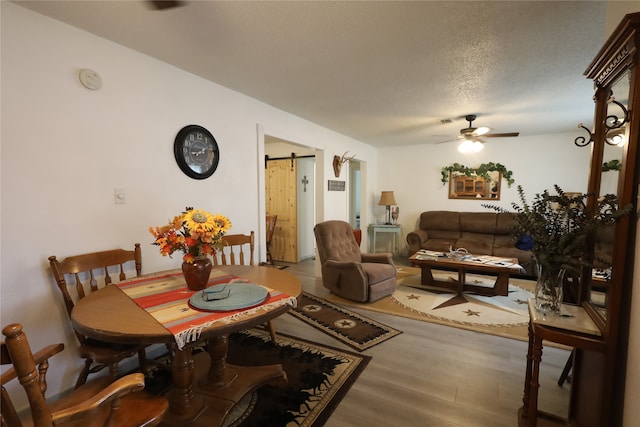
[396, 230]
[574, 329]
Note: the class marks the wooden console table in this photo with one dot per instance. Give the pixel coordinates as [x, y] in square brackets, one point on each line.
[574, 328]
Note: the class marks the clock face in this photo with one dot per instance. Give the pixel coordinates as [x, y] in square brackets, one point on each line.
[196, 152]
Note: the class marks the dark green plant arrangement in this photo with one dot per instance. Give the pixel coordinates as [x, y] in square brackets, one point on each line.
[612, 165]
[556, 227]
[482, 170]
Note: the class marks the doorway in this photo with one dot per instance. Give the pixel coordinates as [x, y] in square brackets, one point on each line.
[290, 193]
[354, 193]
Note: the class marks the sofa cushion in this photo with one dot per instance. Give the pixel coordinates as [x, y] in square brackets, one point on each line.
[511, 252]
[503, 241]
[440, 245]
[440, 220]
[478, 222]
[443, 234]
[476, 246]
[505, 223]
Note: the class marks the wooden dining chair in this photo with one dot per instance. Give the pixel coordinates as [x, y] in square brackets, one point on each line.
[78, 275]
[240, 248]
[236, 249]
[271, 228]
[103, 402]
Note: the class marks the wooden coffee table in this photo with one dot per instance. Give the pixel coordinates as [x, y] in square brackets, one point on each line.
[500, 287]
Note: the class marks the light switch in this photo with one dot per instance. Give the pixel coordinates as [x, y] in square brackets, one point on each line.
[119, 196]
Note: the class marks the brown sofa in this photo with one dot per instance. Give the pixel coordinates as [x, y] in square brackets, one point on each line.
[480, 233]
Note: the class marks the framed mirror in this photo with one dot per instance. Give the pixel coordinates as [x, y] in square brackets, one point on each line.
[462, 186]
[612, 142]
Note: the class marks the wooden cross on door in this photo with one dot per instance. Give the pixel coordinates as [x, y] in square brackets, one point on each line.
[304, 181]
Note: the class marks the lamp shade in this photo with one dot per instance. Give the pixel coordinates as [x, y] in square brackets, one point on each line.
[387, 199]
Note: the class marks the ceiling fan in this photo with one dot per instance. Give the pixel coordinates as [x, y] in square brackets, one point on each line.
[471, 137]
[471, 132]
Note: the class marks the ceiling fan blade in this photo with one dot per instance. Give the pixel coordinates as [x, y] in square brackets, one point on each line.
[454, 139]
[500, 135]
[481, 131]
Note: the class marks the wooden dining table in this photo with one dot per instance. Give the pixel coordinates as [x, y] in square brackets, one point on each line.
[205, 387]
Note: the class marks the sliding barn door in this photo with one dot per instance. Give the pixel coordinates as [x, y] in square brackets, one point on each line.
[281, 200]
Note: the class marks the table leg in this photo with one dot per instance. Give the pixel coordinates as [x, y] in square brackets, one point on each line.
[527, 374]
[534, 383]
[373, 249]
[232, 382]
[183, 404]
[208, 401]
[502, 284]
[395, 247]
[426, 278]
[462, 279]
[220, 374]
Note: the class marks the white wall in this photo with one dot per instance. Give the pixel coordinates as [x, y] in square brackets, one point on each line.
[306, 208]
[65, 149]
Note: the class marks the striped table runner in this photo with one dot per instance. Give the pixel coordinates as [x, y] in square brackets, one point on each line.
[166, 297]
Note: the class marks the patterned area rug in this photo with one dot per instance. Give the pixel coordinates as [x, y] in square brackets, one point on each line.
[503, 316]
[318, 376]
[279, 267]
[353, 329]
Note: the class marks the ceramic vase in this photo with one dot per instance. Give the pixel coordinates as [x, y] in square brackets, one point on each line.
[196, 274]
[548, 292]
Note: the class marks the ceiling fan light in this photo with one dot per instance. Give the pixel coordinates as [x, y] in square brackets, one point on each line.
[466, 146]
[470, 146]
[477, 146]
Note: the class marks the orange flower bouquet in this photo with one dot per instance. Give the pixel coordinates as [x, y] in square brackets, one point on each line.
[195, 232]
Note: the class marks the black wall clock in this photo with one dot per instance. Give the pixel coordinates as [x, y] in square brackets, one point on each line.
[196, 152]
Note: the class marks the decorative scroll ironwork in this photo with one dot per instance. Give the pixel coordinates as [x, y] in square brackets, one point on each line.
[614, 122]
[581, 141]
[611, 123]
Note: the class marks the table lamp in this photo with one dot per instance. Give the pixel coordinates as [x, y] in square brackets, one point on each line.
[387, 199]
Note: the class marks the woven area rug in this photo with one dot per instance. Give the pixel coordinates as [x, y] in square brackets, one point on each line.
[353, 329]
[279, 267]
[318, 376]
[503, 316]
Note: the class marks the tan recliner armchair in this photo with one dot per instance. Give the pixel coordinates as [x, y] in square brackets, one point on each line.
[346, 271]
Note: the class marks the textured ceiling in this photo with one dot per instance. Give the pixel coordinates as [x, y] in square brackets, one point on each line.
[384, 73]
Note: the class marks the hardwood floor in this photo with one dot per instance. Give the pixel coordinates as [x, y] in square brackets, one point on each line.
[434, 376]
